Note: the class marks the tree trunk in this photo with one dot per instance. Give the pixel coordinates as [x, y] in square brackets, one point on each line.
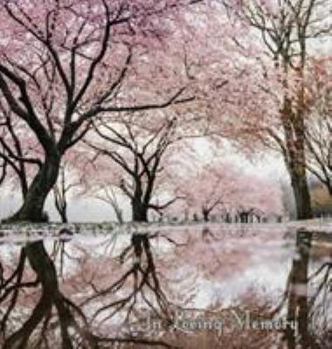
[244, 217]
[61, 207]
[51, 296]
[206, 214]
[298, 308]
[63, 214]
[117, 210]
[33, 205]
[228, 218]
[119, 215]
[45, 270]
[139, 211]
[295, 158]
[301, 195]
[329, 186]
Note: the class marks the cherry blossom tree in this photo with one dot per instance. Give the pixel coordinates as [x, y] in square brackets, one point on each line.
[318, 136]
[81, 59]
[257, 197]
[139, 149]
[20, 157]
[100, 181]
[208, 189]
[222, 188]
[18, 152]
[111, 195]
[277, 43]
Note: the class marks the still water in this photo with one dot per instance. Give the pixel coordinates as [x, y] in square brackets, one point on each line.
[215, 286]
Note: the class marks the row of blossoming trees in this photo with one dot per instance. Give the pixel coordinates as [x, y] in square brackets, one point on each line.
[117, 91]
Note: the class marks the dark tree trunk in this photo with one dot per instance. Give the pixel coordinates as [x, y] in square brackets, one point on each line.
[298, 308]
[228, 218]
[259, 219]
[45, 270]
[61, 204]
[61, 207]
[51, 296]
[139, 211]
[244, 217]
[295, 158]
[206, 214]
[63, 215]
[329, 188]
[119, 215]
[301, 195]
[24, 187]
[33, 205]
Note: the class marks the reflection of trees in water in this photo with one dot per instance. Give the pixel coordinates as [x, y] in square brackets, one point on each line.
[297, 310]
[127, 292]
[9, 291]
[308, 310]
[140, 279]
[321, 304]
[55, 313]
[69, 316]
